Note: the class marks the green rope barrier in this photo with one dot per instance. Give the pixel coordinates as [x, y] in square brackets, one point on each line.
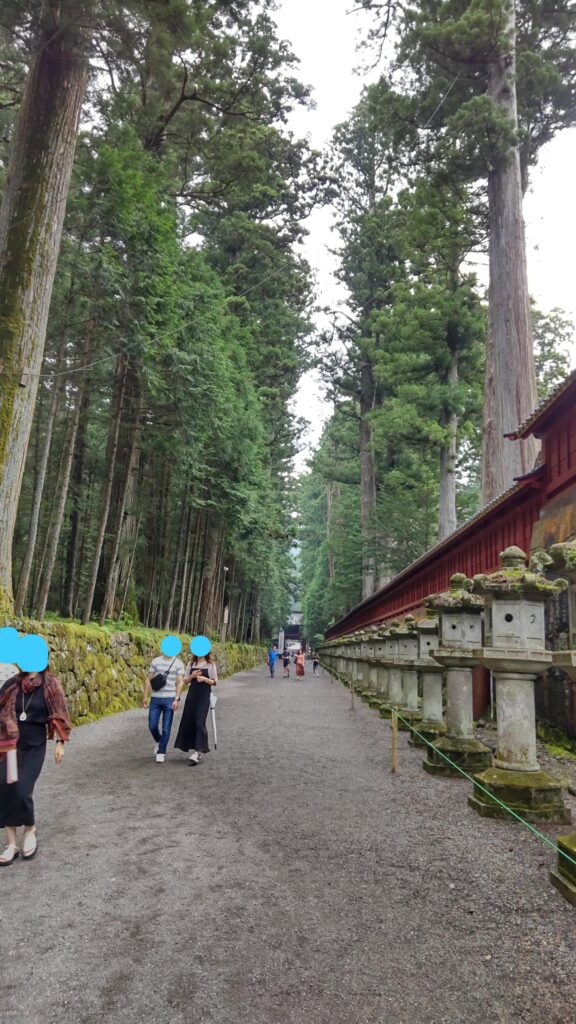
[483, 789]
[554, 846]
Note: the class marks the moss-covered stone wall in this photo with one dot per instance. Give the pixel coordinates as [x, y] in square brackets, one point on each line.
[103, 672]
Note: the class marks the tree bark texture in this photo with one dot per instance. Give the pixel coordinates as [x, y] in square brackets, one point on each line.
[447, 492]
[209, 582]
[510, 391]
[112, 451]
[107, 609]
[25, 572]
[77, 477]
[31, 218]
[63, 484]
[367, 481]
[124, 493]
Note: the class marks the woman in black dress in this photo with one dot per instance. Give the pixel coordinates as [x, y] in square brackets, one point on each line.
[32, 710]
[193, 734]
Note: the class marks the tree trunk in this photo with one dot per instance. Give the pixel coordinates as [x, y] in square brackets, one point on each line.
[63, 484]
[187, 585]
[31, 218]
[107, 608]
[510, 391]
[124, 493]
[367, 481]
[39, 482]
[182, 539]
[447, 521]
[77, 476]
[208, 574]
[130, 526]
[130, 566]
[112, 451]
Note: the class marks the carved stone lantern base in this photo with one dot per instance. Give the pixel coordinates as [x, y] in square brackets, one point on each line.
[429, 730]
[564, 878]
[469, 754]
[536, 796]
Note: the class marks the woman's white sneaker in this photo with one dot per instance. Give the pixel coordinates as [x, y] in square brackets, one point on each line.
[160, 758]
[194, 757]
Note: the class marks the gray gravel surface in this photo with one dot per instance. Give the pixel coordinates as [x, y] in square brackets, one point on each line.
[289, 879]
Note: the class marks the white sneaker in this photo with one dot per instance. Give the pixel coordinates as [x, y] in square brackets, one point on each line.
[194, 757]
[160, 758]
[156, 747]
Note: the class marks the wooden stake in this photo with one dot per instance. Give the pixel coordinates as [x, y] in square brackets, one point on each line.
[351, 696]
[394, 764]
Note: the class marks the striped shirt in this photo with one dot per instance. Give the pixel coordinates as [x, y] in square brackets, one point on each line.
[172, 668]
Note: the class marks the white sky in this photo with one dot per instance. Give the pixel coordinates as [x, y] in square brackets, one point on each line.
[324, 38]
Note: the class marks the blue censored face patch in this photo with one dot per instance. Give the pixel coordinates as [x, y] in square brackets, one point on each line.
[171, 646]
[8, 645]
[32, 654]
[200, 646]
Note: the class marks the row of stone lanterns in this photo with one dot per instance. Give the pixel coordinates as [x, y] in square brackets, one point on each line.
[393, 658]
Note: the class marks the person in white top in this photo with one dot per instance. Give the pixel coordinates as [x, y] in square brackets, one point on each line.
[164, 674]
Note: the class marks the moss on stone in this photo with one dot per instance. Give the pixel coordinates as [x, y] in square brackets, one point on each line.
[103, 671]
[556, 741]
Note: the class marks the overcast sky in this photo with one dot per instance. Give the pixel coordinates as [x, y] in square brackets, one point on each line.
[324, 38]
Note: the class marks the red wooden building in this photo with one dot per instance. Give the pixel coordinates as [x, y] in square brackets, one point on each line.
[539, 509]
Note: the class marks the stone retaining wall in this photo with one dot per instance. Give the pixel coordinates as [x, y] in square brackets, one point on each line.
[103, 672]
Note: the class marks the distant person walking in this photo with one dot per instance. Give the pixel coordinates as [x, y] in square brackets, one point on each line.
[272, 658]
[164, 674]
[286, 662]
[315, 665]
[192, 736]
[32, 710]
[300, 662]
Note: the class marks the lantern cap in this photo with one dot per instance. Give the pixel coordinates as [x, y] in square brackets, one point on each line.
[516, 579]
[459, 597]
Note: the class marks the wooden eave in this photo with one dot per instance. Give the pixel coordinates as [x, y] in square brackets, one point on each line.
[507, 500]
[559, 401]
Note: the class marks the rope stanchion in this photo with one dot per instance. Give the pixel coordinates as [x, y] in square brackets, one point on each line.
[394, 762]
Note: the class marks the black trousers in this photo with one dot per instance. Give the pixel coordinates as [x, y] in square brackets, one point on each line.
[16, 799]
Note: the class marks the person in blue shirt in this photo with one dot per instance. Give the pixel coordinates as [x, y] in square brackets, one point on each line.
[272, 656]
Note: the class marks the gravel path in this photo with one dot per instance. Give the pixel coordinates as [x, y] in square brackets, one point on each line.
[289, 879]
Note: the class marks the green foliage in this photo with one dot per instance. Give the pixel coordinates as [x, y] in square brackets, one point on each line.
[179, 260]
[553, 340]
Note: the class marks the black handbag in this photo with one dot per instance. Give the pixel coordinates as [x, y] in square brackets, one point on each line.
[160, 679]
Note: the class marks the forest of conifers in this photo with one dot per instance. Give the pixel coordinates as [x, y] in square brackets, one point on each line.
[156, 311]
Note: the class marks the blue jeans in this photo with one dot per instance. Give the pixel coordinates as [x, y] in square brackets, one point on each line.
[160, 706]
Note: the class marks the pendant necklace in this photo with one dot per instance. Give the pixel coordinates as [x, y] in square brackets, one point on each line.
[23, 716]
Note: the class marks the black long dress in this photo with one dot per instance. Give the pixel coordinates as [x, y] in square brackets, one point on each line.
[193, 734]
[16, 799]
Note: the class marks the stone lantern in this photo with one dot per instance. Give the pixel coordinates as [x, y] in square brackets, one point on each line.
[459, 652]
[432, 675]
[515, 653]
[362, 662]
[380, 660]
[408, 654]
[371, 655]
[346, 662]
[394, 670]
